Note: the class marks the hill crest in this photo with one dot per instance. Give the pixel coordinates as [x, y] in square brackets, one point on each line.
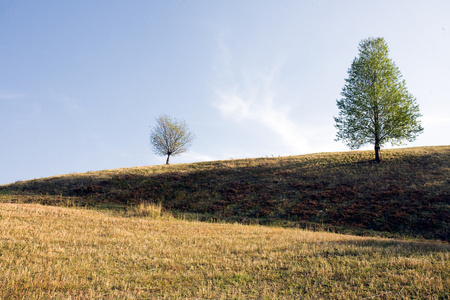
[408, 193]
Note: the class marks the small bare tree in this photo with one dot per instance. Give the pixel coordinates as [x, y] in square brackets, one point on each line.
[170, 137]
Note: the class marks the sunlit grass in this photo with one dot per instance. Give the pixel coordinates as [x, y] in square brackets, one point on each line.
[144, 209]
[54, 252]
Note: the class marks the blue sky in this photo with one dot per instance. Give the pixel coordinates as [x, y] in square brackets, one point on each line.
[81, 82]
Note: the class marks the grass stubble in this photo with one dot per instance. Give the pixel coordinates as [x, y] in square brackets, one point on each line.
[57, 252]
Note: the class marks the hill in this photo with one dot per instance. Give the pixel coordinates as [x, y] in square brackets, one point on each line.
[73, 253]
[407, 194]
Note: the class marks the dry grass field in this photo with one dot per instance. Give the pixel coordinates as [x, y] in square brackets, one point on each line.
[144, 253]
[137, 233]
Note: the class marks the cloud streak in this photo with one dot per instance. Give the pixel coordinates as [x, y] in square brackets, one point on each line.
[8, 96]
[252, 94]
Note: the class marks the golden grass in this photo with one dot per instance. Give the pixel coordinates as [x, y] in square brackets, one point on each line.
[144, 209]
[55, 252]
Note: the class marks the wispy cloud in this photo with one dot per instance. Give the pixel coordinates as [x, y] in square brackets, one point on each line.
[247, 93]
[69, 105]
[10, 96]
[192, 156]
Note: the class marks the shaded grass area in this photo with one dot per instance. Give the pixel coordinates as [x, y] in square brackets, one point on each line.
[61, 253]
[407, 194]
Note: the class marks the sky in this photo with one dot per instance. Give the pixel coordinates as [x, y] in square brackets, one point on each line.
[82, 82]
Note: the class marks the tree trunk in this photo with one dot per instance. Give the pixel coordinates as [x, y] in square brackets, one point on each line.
[377, 153]
[377, 137]
[167, 161]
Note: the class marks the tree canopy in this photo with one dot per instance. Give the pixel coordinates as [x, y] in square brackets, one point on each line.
[170, 137]
[376, 107]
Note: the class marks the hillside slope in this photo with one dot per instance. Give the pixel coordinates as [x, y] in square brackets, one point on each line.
[408, 193]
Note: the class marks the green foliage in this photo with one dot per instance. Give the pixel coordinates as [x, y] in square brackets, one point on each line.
[170, 137]
[376, 107]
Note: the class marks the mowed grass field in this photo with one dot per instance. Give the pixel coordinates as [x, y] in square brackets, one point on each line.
[143, 253]
[136, 233]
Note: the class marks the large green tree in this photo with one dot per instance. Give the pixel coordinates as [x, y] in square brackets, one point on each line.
[376, 107]
[170, 137]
